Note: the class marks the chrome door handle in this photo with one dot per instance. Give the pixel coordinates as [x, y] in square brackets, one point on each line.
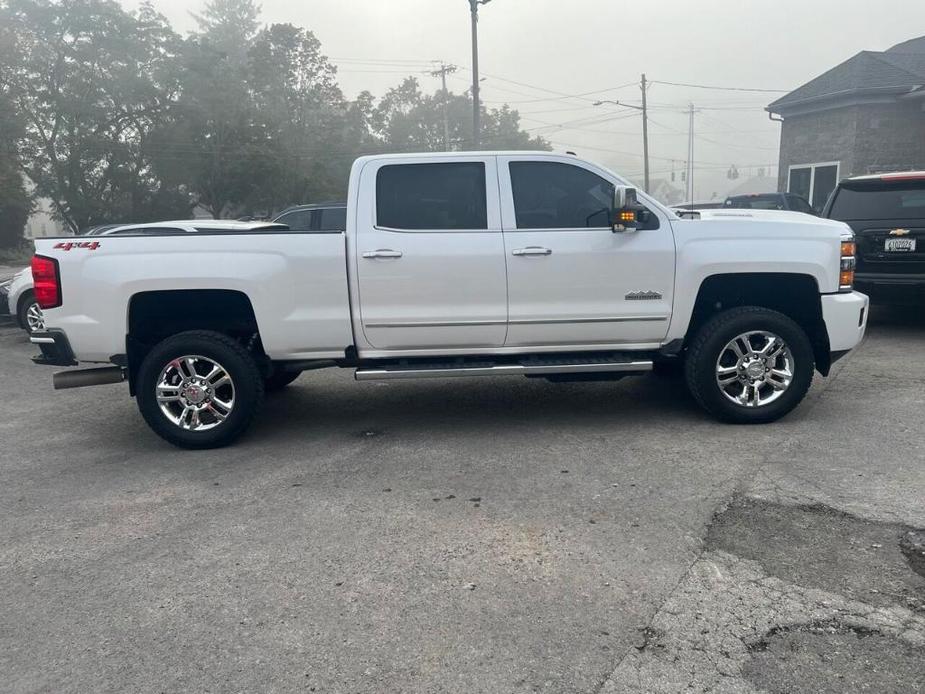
[532, 250]
[382, 253]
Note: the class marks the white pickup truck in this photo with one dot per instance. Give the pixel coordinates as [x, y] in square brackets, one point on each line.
[459, 264]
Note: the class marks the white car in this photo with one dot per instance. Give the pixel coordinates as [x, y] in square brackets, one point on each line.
[188, 226]
[456, 264]
[20, 301]
[20, 296]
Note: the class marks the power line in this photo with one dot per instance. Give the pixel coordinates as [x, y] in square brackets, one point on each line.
[556, 110]
[578, 123]
[383, 61]
[724, 89]
[559, 95]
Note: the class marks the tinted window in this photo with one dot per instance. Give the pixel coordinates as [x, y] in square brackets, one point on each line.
[799, 204]
[549, 195]
[333, 219]
[756, 202]
[880, 201]
[432, 196]
[297, 220]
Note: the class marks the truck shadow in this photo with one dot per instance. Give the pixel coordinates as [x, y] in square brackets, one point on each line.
[334, 404]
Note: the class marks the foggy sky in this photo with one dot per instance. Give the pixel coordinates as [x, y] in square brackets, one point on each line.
[578, 46]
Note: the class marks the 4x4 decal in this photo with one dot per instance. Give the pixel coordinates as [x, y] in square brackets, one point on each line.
[68, 245]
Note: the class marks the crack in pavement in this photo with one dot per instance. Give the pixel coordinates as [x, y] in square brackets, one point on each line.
[726, 608]
[716, 665]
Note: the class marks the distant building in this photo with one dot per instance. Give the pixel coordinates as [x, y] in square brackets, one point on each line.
[864, 116]
[42, 222]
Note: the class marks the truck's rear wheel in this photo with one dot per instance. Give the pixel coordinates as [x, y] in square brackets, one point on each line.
[750, 365]
[199, 389]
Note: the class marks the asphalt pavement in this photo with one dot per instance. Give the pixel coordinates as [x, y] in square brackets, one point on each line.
[486, 535]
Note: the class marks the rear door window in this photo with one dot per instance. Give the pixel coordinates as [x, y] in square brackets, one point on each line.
[880, 201]
[436, 197]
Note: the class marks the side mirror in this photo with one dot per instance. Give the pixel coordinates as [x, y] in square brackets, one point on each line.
[627, 211]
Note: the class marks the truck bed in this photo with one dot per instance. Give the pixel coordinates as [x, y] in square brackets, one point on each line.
[296, 283]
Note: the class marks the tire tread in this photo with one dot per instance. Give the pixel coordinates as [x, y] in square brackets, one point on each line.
[699, 345]
[252, 374]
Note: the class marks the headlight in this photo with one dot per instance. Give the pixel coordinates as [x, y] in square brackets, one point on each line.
[848, 263]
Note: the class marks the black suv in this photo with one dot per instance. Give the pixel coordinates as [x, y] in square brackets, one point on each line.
[769, 201]
[330, 216]
[887, 213]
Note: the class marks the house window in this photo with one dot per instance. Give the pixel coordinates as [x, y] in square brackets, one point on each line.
[814, 182]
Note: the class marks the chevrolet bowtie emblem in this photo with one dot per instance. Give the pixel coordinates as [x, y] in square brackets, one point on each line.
[899, 232]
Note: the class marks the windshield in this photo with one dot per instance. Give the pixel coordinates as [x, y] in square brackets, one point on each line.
[880, 201]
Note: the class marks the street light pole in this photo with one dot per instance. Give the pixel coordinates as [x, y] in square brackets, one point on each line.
[645, 129]
[645, 134]
[476, 104]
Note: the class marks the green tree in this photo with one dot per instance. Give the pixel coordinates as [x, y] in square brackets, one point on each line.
[90, 82]
[215, 139]
[15, 201]
[408, 120]
[229, 26]
[295, 93]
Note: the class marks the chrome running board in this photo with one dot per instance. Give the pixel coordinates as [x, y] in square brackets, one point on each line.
[533, 366]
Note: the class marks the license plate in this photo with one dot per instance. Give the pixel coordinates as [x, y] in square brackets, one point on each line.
[899, 245]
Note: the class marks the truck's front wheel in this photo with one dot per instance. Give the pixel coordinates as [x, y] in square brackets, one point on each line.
[199, 389]
[749, 365]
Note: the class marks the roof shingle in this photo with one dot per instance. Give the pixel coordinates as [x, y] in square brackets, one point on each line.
[899, 70]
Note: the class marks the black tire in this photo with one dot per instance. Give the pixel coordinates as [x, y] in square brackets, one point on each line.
[704, 353]
[279, 379]
[26, 301]
[234, 359]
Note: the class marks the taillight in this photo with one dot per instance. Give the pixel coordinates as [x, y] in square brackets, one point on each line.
[848, 263]
[46, 281]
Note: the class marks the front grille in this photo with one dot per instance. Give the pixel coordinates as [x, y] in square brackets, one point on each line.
[873, 256]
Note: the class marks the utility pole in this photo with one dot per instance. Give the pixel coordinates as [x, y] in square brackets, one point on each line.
[476, 104]
[690, 154]
[442, 72]
[645, 135]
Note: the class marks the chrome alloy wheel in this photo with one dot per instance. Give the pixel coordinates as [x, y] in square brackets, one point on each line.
[195, 393]
[755, 368]
[35, 319]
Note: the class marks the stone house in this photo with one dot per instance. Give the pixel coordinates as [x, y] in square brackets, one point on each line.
[866, 115]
